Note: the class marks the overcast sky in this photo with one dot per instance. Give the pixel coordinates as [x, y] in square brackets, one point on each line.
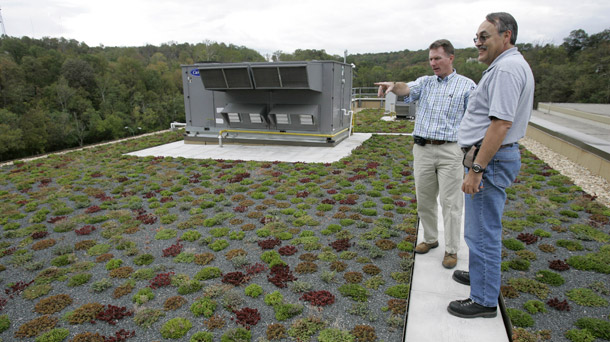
[270, 25]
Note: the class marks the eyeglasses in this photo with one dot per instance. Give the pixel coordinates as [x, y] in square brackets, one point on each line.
[482, 38]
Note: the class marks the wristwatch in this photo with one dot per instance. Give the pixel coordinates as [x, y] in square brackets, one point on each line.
[476, 168]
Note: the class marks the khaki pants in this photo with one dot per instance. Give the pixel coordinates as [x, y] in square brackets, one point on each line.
[439, 173]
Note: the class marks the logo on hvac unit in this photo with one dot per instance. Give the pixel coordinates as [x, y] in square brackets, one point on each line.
[195, 72]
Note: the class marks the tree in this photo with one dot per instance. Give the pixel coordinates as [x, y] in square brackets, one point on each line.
[576, 41]
[15, 47]
[60, 133]
[13, 85]
[78, 73]
[81, 111]
[10, 135]
[595, 40]
[207, 51]
[64, 93]
[33, 131]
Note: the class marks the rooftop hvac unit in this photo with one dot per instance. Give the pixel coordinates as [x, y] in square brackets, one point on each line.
[302, 103]
[396, 104]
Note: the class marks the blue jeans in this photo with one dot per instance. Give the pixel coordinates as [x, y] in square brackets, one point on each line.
[483, 225]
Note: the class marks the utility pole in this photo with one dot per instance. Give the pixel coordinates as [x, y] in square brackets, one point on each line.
[2, 23]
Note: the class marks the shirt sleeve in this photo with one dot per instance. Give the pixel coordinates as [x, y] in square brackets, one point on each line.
[504, 92]
[415, 88]
[471, 86]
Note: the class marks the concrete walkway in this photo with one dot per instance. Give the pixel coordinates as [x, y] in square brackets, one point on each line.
[431, 291]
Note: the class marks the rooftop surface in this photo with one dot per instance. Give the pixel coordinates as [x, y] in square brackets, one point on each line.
[432, 287]
[586, 125]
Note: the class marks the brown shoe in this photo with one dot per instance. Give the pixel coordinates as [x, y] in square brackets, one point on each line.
[450, 260]
[423, 248]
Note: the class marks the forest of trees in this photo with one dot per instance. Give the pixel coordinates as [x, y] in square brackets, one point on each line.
[57, 93]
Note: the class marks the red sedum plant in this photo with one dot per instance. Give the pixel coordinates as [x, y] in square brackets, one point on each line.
[319, 298]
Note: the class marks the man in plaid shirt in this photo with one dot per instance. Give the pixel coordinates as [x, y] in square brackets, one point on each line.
[438, 170]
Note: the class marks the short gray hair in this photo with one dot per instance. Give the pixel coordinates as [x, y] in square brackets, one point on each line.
[504, 22]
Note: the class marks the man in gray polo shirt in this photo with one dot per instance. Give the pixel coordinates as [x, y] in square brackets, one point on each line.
[496, 118]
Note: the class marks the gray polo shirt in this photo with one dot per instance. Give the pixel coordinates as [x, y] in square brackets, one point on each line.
[506, 92]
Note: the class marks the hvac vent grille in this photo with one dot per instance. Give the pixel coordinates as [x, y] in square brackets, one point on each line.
[256, 118]
[294, 77]
[234, 117]
[306, 119]
[213, 78]
[266, 77]
[282, 119]
[238, 78]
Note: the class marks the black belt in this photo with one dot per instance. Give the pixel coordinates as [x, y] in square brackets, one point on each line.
[466, 149]
[438, 142]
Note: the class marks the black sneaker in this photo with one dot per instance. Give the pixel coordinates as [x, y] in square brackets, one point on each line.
[467, 308]
[462, 277]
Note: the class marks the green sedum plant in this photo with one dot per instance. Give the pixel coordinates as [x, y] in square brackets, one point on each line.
[534, 306]
[586, 297]
[335, 335]
[203, 307]
[202, 336]
[579, 335]
[54, 335]
[253, 290]
[236, 335]
[5, 323]
[598, 327]
[520, 318]
[143, 295]
[176, 328]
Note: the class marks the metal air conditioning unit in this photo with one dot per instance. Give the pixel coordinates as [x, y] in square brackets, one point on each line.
[404, 111]
[296, 103]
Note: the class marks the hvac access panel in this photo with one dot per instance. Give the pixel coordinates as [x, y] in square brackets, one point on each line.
[283, 102]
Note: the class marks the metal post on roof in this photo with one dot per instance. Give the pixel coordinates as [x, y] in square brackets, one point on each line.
[2, 23]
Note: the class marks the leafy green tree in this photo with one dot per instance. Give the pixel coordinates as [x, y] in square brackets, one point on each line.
[15, 47]
[13, 85]
[576, 41]
[33, 131]
[78, 74]
[64, 93]
[10, 135]
[60, 132]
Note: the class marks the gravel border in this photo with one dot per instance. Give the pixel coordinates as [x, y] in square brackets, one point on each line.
[581, 176]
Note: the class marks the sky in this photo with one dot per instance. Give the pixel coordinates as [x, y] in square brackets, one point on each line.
[268, 26]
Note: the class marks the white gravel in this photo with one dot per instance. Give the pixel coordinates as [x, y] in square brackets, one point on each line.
[581, 176]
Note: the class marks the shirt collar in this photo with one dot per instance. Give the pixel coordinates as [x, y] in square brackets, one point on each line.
[446, 79]
[509, 52]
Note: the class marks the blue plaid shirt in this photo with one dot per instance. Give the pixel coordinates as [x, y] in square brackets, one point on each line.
[441, 105]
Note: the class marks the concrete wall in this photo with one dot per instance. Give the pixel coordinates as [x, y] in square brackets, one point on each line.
[594, 163]
[546, 107]
[368, 103]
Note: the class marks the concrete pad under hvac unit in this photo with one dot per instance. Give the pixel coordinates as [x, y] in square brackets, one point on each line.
[291, 154]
